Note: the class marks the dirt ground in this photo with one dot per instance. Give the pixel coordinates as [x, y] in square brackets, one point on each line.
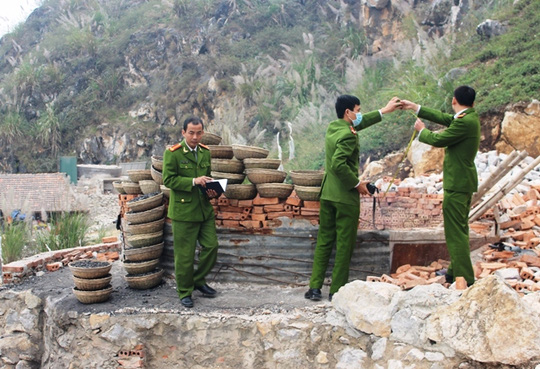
[232, 298]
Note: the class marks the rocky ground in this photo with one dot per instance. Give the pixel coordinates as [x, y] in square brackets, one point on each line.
[102, 207]
[232, 298]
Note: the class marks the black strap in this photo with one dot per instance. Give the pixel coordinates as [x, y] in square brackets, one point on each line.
[375, 200]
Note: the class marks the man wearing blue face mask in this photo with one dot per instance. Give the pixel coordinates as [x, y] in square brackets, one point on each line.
[340, 190]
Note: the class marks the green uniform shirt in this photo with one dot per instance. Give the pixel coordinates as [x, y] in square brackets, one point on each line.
[461, 141]
[187, 202]
[341, 160]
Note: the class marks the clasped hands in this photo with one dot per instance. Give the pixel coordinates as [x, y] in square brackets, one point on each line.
[397, 103]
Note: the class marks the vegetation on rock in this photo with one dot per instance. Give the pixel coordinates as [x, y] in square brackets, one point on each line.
[81, 76]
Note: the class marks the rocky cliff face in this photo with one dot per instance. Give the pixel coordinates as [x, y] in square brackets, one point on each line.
[176, 66]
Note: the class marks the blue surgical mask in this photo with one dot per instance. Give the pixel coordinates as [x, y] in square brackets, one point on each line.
[358, 119]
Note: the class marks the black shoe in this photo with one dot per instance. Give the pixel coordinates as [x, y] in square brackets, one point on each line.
[330, 297]
[313, 294]
[187, 302]
[206, 290]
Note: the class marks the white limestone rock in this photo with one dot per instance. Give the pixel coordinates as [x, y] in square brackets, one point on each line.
[378, 349]
[489, 323]
[367, 306]
[412, 310]
[351, 358]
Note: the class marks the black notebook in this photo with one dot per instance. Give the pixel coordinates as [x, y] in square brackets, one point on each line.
[218, 185]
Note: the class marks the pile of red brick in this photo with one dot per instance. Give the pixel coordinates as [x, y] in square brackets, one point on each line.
[517, 213]
[15, 271]
[407, 208]
[519, 219]
[262, 212]
[527, 276]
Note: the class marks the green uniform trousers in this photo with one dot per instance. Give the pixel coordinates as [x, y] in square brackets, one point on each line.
[456, 207]
[185, 236]
[339, 226]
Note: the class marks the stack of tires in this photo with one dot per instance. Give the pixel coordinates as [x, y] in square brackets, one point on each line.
[143, 240]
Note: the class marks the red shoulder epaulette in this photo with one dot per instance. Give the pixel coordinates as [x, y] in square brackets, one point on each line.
[175, 147]
[206, 147]
[461, 115]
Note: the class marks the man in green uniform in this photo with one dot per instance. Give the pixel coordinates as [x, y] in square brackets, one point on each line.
[460, 179]
[340, 190]
[186, 166]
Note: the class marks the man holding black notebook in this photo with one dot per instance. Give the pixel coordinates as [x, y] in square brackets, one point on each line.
[186, 171]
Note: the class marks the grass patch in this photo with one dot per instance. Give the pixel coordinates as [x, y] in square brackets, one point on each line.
[14, 237]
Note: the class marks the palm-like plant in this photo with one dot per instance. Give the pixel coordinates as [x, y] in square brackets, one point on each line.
[49, 129]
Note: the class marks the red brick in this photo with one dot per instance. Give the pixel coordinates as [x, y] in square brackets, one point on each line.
[275, 215]
[233, 202]
[35, 263]
[131, 363]
[526, 273]
[304, 211]
[223, 201]
[257, 210]
[530, 260]
[231, 216]
[533, 242]
[410, 283]
[294, 201]
[109, 239]
[231, 209]
[373, 279]
[12, 269]
[258, 217]
[312, 204]
[273, 208]
[112, 255]
[245, 203]
[251, 223]
[126, 197]
[265, 200]
[510, 223]
[53, 266]
[231, 223]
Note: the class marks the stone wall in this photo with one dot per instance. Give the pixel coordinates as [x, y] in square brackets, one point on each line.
[369, 325]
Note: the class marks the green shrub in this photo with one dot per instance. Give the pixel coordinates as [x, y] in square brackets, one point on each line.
[67, 230]
[14, 238]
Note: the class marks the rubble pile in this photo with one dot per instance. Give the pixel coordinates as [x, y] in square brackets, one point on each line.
[514, 219]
